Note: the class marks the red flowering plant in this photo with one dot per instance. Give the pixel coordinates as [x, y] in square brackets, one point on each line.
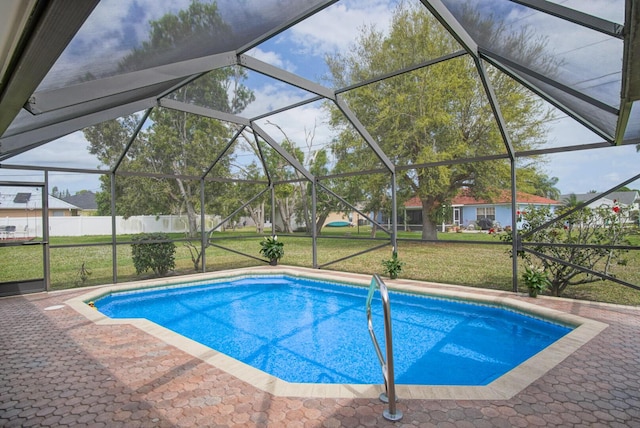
[589, 231]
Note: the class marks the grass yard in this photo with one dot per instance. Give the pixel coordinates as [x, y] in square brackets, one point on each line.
[470, 259]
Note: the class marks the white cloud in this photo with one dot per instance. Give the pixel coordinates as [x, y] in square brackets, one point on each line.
[336, 28]
[70, 152]
[599, 169]
[274, 58]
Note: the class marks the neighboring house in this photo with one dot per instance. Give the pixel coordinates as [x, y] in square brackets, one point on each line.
[20, 202]
[625, 199]
[469, 211]
[84, 200]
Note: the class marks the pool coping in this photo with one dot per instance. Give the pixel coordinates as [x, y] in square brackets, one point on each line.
[503, 388]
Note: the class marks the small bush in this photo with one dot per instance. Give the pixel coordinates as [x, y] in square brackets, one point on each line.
[160, 257]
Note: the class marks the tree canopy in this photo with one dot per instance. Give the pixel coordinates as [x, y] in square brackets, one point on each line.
[174, 143]
[444, 116]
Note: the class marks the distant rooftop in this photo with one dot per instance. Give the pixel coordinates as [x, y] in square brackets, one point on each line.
[84, 200]
[464, 198]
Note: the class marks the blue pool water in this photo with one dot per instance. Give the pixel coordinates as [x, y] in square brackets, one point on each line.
[311, 331]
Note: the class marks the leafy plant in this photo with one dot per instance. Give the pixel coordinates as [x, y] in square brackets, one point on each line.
[83, 274]
[393, 266]
[153, 251]
[196, 253]
[536, 280]
[272, 249]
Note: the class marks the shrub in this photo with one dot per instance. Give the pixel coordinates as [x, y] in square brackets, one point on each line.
[580, 249]
[160, 257]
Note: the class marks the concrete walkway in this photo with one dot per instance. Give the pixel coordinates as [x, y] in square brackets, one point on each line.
[59, 369]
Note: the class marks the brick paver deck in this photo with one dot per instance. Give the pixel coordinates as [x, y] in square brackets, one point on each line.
[59, 369]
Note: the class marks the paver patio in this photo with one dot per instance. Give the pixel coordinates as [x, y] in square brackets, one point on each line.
[59, 369]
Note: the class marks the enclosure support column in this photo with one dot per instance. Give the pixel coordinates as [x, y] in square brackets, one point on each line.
[45, 233]
[394, 213]
[314, 232]
[273, 209]
[514, 228]
[114, 251]
[203, 236]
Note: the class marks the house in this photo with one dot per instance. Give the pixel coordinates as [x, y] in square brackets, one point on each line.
[20, 202]
[629, 198]
[85, 200]
[470, 212]
[21, 211]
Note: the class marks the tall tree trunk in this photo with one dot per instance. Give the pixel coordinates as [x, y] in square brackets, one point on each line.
[285, 215]
[192, 216]
[257, 215]
[322, 217]
[429, 228]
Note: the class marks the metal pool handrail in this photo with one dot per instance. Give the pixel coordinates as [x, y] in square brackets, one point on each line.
[387, 368]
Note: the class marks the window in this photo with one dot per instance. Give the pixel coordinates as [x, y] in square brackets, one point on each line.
[486, 212]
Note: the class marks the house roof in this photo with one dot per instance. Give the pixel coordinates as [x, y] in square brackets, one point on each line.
[626, 197]
[464, 198]
[28, 198]
[84, 200]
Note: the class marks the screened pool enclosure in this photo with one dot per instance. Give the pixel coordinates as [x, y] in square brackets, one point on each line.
[290, 115]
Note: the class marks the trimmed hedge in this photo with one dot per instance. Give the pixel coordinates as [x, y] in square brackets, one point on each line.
[160, 257]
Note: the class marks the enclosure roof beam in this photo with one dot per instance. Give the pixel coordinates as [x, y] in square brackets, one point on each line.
[631, 59]
[222, 152]
[442, 14]
[542, 94]
[132, 138]
[630, 68]
[202, 111]
[262, 159]
[286, 25]
[86, 91]
[351, 117]
[487, 54]
[54, 169]
[409, 69]
[53, 25]
[36, 137]
[598, 24]
[287, 108]
[285, 76]
[495, 107]
[285, 154]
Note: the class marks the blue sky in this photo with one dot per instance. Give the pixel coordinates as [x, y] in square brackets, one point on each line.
[302, 50]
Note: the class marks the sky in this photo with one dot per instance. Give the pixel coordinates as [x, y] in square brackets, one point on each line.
[302, 50]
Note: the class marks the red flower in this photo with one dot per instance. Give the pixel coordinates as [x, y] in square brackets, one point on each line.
[518, 212]
[616, 209]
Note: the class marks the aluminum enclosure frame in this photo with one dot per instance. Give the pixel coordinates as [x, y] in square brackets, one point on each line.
[66, 110]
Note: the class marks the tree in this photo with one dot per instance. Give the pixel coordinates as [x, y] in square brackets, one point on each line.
[175, 143]
[532, 181]
[602, 227]
[434, 114]
[570, 201]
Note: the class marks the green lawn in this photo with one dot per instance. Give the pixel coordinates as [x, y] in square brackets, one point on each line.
[484, 263]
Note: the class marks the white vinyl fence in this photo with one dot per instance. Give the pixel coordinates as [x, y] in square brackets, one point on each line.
[101, 225]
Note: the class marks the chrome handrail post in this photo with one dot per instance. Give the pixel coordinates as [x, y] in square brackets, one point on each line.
[389, 396]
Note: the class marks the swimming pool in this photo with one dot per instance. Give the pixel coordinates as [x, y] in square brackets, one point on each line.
[306, 330]
[503, 388]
